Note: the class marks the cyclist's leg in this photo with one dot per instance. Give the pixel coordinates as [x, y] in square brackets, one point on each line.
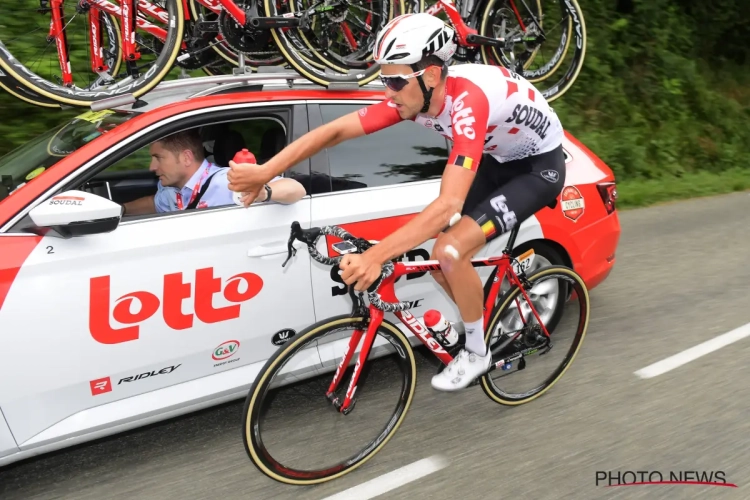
[487, 178]
[507, 205]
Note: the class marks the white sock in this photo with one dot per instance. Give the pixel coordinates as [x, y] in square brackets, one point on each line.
[475, 337]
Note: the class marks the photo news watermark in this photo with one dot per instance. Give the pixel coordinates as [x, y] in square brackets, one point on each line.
[643, 478]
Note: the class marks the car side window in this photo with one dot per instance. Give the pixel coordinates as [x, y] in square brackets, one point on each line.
[405, 152]
[131, 179]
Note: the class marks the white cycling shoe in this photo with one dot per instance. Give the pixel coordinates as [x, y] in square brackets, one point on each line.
[460, 372]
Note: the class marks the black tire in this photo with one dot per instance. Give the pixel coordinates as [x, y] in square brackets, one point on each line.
[14, 88]
[83, 98]
[508, 300]
[302, 56]
[389, 10]
[251, 434]
[575, 29]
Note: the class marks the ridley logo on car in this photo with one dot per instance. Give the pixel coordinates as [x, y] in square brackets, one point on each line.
[571, 202]
[282, 336]
[141, 376]
[225, 350]
[174, 293]
[100, 386]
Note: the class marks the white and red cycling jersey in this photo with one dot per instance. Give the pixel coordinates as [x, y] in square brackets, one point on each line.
[487, 109]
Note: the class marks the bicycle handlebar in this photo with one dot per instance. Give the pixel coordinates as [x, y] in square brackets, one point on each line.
[310, 238]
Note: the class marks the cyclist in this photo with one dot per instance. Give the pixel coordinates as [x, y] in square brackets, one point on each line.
[506, 164]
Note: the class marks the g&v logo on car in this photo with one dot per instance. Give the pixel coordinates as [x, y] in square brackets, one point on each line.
[224, 351]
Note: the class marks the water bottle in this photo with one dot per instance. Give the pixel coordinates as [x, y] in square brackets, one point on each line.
[440, 328]
[244, 156]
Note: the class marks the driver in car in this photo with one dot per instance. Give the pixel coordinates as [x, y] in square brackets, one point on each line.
[187, 180]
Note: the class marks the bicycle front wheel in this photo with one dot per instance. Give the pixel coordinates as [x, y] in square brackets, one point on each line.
[560, 302]
[292, 431]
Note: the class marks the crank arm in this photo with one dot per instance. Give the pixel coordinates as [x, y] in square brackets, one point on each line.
[274, 22]
[484, 40]
[519, 355]
[206, 27]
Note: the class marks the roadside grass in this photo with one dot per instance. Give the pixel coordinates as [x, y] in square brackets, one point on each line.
[636, 193]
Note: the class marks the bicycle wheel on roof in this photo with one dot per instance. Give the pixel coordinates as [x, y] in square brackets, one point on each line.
[75, 52]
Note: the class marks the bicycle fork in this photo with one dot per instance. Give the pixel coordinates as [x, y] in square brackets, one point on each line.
[345, 407]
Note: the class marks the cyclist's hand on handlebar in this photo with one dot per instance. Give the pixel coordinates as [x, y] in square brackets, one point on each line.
[359, 268]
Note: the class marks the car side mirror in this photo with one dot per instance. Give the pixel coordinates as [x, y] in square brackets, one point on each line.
[75, 213]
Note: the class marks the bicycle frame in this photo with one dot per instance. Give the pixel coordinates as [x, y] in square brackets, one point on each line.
[504, 268]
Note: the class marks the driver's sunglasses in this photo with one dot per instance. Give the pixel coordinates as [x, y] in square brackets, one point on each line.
[397, 82]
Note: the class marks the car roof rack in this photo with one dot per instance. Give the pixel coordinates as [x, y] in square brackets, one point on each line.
[212, 84]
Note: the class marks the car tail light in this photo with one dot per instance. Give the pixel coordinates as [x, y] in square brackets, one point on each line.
[608, 192]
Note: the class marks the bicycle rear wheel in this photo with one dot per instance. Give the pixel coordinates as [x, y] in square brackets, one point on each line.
[157, 41]
[515, 335]
[291, 430]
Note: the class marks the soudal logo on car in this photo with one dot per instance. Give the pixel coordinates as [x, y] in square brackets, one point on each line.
[571, 202]
[67, 200]
[225, 350]
[141, 376]
[136, 307]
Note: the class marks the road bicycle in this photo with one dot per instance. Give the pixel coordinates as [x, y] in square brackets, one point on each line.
[517, 34]
[519, 323]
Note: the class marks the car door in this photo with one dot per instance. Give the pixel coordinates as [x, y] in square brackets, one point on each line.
[7, 443]
[165, 312]
[378, 183]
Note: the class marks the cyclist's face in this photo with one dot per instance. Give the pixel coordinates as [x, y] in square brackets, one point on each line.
[406, 92]
[172, 169]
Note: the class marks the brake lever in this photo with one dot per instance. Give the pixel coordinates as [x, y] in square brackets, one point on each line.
[290, 245]
[292, 251]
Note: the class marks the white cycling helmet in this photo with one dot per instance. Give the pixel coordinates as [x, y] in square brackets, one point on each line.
[410, 37]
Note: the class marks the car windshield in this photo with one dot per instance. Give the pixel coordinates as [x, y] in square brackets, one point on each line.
[28, 161]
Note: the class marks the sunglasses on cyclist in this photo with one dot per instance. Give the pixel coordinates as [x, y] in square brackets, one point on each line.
[397, 82]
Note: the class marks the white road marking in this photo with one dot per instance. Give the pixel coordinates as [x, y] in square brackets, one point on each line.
[694, 353]
[392, 480]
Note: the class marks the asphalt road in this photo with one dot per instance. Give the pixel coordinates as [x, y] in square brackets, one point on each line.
[681, 278]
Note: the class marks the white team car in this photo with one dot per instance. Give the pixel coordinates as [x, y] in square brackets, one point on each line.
[110, 323]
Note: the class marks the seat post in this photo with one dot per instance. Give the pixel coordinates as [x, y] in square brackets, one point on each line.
[511, 240]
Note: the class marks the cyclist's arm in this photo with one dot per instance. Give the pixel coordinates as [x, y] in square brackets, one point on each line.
[350, 126]
[469, 129]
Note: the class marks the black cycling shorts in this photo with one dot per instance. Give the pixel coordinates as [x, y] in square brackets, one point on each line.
[506, 194]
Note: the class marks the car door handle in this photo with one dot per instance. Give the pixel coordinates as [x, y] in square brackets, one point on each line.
[272, 249]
